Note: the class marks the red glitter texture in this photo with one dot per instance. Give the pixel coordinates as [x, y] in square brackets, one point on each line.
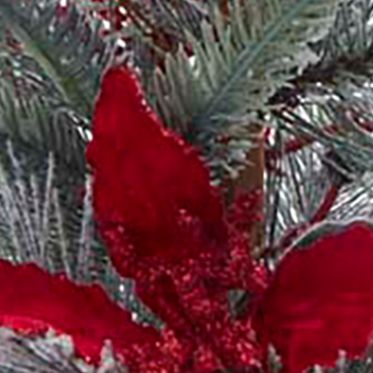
[320, 300]
[165, 227]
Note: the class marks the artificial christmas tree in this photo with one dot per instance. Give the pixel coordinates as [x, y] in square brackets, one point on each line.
[177, 180]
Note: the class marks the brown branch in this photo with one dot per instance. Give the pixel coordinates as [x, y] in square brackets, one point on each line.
[252, 178]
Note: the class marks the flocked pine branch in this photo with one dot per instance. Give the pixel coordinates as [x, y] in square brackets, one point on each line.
[48, 354]
[52, 59]
[37, 226]
[325, 127]
[239, 61]
[43, 126]
[68, 49]
[42, 72]
[46, 216]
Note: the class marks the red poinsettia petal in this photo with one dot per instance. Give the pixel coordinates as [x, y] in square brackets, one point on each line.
[32, 301]
[320, 300]
[145, 178]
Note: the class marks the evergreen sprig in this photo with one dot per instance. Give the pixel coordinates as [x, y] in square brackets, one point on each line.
[239, 62]
[324, 129]
[48, 354]
[68, 49]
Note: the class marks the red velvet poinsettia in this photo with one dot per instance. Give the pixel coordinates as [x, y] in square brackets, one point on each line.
[146, 179]
[33, 301]
[320, 300]
[164, 226]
